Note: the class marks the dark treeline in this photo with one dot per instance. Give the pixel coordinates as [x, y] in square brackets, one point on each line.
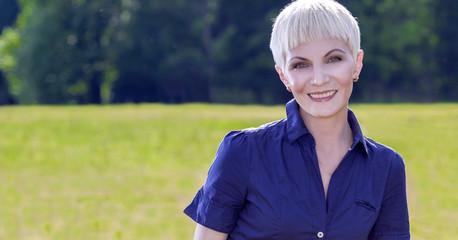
[174, 51]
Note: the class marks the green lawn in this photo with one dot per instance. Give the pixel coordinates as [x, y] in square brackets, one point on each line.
[127, 171]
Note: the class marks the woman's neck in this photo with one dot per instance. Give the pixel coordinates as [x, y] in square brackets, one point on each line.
[329, 133]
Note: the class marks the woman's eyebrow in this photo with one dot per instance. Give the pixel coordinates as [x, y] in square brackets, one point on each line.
[327, 54]
[333, 50]
[300, 58]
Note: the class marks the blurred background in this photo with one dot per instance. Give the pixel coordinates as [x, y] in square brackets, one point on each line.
[216, 51]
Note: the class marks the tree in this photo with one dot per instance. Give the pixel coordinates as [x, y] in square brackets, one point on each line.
[159, 54]
[244, 65]
[112, 50]
[446, 54]
[399, 42]
[61, 58]
[8, 13]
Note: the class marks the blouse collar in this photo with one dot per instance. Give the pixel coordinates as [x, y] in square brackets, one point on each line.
[296, 127]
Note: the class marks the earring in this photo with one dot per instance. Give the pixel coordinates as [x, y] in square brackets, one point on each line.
[288, 88]
[355, 79]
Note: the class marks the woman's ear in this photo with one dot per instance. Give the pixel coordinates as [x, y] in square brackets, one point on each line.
[359, 62]
[282, 77]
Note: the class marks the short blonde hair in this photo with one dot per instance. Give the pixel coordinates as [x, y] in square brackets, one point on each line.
[303, 21]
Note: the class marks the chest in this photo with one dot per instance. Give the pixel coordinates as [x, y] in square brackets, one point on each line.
[328, 161]
[286, 201]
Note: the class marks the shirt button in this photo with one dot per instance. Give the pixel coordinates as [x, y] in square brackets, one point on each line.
[320, 234]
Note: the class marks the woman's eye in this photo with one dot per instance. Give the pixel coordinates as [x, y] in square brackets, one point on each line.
[335, 59]
[300, 65]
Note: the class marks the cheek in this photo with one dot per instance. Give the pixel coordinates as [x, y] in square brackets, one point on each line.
[345, 75]
[346, 81]
[347, 85]
[297, 80]
[350, 88]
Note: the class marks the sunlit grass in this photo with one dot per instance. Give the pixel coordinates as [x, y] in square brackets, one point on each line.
[127, 171]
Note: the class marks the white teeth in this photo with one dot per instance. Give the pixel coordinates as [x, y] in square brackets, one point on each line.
[323, 95]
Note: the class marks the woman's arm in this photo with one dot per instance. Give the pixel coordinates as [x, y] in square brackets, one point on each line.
[204, 233]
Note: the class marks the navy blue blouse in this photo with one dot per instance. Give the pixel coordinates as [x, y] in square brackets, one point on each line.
[265, 183]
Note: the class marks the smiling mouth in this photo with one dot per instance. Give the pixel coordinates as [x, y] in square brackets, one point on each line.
[322, 96]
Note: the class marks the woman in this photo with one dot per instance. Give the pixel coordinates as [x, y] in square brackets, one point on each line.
[312, 175]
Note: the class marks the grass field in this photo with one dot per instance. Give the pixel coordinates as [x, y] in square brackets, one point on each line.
[127, 171]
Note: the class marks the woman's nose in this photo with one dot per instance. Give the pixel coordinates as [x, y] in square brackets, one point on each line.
[319, 77]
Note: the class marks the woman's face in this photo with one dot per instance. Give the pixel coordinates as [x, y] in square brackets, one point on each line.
[320, 75]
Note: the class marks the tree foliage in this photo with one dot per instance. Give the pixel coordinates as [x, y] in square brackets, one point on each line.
[62, 56]
[159, 54]
[115, 51]
[8, 12]
[400, 46]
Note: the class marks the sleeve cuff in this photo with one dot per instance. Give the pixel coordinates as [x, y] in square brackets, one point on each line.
[211, 214]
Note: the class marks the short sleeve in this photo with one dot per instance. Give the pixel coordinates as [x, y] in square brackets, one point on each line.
[393, 219]
[217, 204]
